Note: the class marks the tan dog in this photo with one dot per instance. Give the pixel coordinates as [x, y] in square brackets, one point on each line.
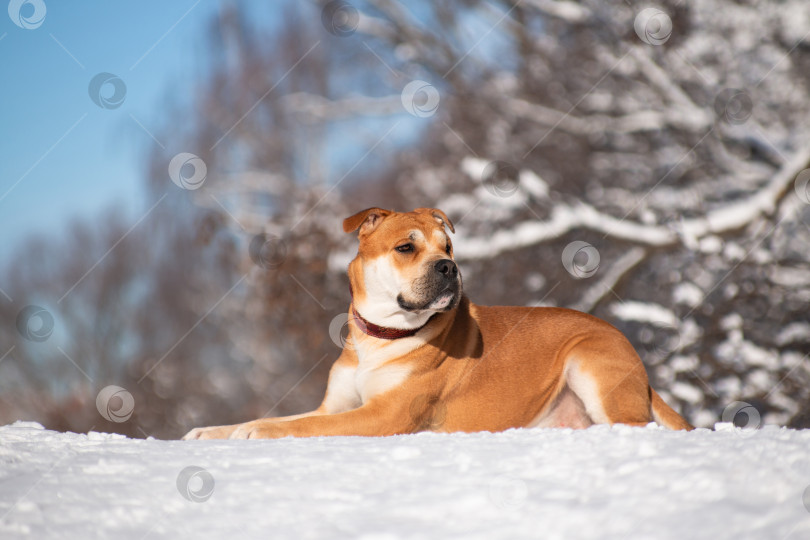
[421, 356]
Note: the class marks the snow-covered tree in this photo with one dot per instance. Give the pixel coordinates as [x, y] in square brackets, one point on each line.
[659, 150]
[648, 164]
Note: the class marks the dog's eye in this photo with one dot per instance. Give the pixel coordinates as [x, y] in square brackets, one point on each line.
[447, 249]
[404, 248]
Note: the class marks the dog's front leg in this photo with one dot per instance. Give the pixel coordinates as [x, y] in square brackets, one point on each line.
[374, 419]
[226, 432]
[341, 395]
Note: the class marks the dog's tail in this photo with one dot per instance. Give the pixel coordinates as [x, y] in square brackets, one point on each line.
[665, 415]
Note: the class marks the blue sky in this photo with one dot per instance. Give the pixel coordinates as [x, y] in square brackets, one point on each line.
[62, 155]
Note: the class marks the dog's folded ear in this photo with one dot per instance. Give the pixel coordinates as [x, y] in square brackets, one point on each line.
[439, 216]
[368, 219]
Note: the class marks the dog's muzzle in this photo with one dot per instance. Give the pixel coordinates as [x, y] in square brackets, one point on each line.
[438, 290]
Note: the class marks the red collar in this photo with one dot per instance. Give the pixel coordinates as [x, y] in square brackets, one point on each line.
[384, 332]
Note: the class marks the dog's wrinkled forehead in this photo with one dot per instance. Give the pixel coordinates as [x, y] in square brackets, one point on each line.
[400, 228]
[379, 229]
[414, 226]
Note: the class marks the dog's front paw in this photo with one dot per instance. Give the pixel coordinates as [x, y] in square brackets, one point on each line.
[258, 430]
[245, 431]
[194, 434]
[204, 433]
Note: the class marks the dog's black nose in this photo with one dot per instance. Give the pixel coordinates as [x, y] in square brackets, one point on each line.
[447, 267]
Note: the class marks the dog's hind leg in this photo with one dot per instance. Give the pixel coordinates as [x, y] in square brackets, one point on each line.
[605, 372]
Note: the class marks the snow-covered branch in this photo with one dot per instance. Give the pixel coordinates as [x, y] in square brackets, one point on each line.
[608, 280]
[764, 202]
[568, 217]
[570, 12]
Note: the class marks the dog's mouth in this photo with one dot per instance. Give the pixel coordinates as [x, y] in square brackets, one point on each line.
[445, 300]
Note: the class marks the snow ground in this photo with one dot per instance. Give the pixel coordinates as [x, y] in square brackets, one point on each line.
[602, 482]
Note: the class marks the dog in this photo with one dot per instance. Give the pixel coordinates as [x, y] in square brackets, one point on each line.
[421, 357]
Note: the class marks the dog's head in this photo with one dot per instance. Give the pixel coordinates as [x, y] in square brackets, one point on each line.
[404, 270]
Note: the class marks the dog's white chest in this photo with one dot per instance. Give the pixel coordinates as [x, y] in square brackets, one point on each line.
[376, 373]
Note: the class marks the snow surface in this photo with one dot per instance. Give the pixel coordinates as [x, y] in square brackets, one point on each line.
[603, 482]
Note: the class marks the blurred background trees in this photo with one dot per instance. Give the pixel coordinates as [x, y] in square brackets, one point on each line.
[645, 166]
